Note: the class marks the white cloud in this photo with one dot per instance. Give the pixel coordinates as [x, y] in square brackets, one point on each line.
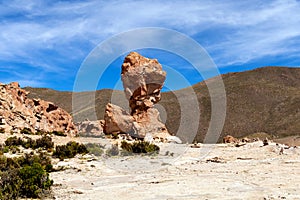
[52, 34]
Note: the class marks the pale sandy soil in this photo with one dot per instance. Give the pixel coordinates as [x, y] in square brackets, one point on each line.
[209, 172]
[218, 171]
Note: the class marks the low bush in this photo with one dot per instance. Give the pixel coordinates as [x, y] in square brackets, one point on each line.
[113, 151]
[26, 131]
[14, 141]
[29, 143]
[70, 150]
[2, 130]
[95, 149]
[139, 147]
[25, 177]
[58, 133]
[34, 180]
[10, 184]
[43, 159]
[44, 142]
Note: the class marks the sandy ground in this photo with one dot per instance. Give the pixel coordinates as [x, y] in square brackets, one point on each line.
[218, 171]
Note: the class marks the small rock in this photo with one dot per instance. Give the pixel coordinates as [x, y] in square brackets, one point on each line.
[173, 139]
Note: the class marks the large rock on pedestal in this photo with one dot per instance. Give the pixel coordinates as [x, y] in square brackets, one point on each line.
[18, 112]
[143, 79]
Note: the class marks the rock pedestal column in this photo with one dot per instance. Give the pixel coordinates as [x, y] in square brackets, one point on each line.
[143, 79]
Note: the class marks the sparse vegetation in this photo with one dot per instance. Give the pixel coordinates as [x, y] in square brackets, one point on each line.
[44, 142]
[26, 131]
[95, 149]
[59, 133]
[70, 150]
[140, 147]
[25, 176]
[113, 151]
[2, 130]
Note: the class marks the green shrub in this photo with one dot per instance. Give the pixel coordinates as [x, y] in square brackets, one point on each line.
[69, 150]
[40, 132]
[95, 149]
[14, 141]
[26, 131]
[14, 149]
[113, 151]
[44, 142]
[5, 149]
[2, 130]
[29, 143]
[126, 146]
[140, 147]
[8, 163]
[43, 159]
[59, 133]
[10, 184]
[24, 176]
[34, 181]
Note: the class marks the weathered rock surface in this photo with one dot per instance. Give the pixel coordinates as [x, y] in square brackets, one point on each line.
[90, 128]
[18, 112]
[117, 120]
[230, 139]
[143, 79]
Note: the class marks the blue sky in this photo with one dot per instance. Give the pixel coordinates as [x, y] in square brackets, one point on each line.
[43, 43]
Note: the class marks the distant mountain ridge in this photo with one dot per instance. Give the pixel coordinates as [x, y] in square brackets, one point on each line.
[261, 100]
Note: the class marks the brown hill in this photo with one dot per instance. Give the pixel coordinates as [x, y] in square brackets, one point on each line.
[262, 100]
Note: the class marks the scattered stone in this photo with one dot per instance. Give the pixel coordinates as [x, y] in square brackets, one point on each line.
[266, 142]
[245, 140]
[240, 144]
[240, 158]
[230, 139]
[173, 139]
[216, 160]
[77, 192]
[195, 145]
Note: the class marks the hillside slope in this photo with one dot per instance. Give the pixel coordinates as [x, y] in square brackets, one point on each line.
[262, 100]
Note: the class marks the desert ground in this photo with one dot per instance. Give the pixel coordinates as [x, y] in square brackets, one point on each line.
[220, 171]
[181, 171]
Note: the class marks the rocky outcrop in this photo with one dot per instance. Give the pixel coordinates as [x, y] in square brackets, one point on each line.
[230, 139]
[18, 112]
[143, 79]
[90, 128]
[117, 120]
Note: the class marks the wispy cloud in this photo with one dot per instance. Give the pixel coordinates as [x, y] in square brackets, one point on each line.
[55, 36]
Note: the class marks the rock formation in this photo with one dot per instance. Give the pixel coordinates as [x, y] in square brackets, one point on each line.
[143, 79]
[230, 139]
[90, 128]
[18, 112]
